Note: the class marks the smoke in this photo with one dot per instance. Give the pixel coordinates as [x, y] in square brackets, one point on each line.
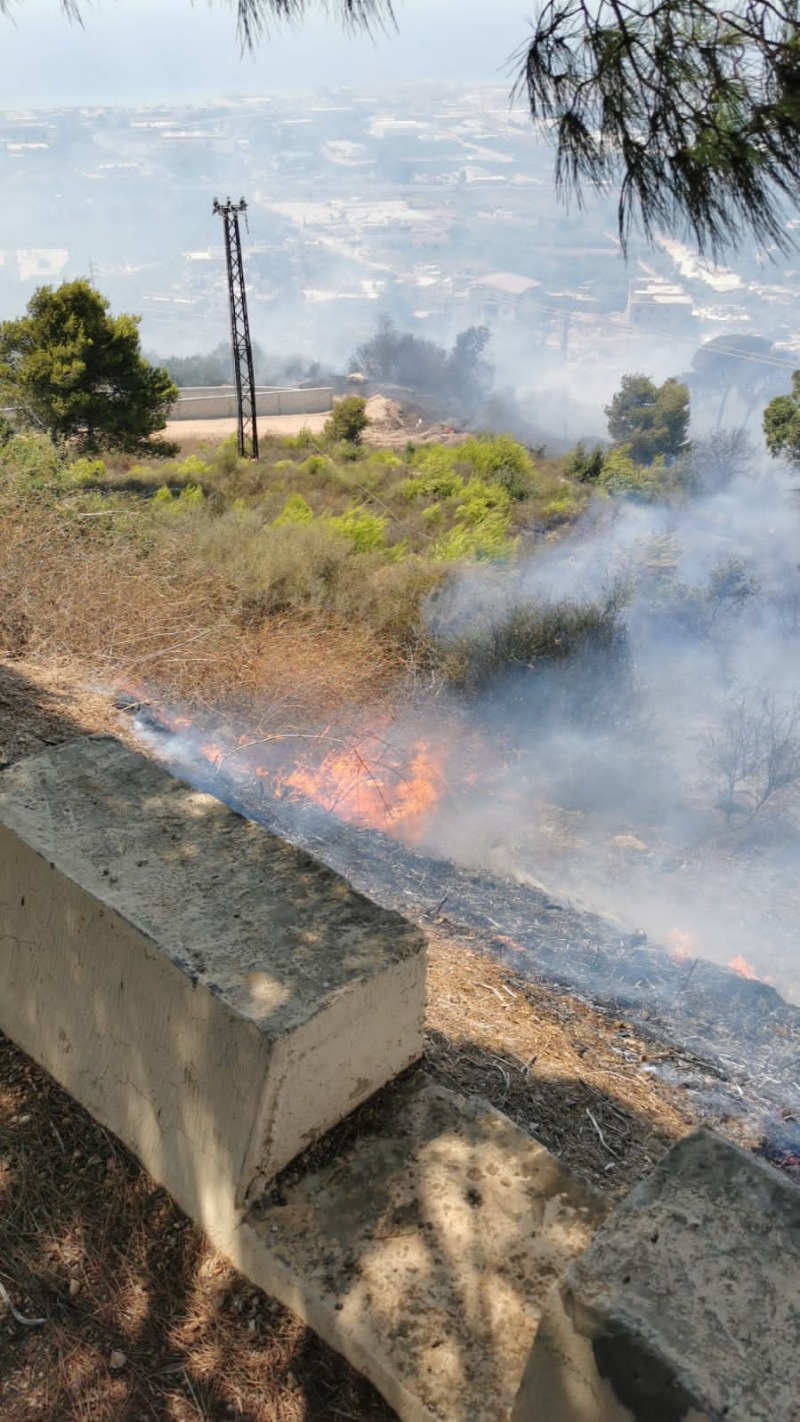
[615, 675]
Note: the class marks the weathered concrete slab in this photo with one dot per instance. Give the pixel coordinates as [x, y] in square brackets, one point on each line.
[685, 1308]
[212, 995]
[424, 1252]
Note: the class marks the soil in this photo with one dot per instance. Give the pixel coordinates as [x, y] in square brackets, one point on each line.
[142, 1318]
[391, 426]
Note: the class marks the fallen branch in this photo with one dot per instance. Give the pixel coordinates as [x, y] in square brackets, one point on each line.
[603, 1140]
[26, 1322]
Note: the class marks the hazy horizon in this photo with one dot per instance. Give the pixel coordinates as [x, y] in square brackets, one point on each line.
[140, 51]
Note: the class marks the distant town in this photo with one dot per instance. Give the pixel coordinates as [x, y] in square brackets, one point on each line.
[431, 204]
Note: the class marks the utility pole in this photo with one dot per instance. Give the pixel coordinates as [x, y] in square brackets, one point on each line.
[240, 329]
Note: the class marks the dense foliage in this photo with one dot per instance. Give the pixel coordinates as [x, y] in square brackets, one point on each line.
[463, 375]
[782, 423]
[649, 420]
[71, 369]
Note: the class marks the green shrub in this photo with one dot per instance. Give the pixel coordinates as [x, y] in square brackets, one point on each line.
[348, 420]
[365, 530]
[87, 471]
[315, 464]
[295, 510]
[33, 462]
[486, 540]
[304, 439]
[500, 460]
[562, 509]
[585, 466]
[192, 469]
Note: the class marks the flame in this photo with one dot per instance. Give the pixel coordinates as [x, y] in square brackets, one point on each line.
[214, 754]
[372, 785]
[740, 965]
[681, 946]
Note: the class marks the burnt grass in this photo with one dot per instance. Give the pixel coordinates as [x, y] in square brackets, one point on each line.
[739, 1038]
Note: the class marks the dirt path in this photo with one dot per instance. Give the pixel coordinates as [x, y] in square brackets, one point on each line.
[215, 430]
[143, 1318]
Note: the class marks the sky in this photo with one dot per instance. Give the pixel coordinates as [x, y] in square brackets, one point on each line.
[146, 51]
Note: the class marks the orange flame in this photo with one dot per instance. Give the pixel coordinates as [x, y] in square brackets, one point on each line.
[379, 790]
[740, 965]
[213, 753]
[681, 945]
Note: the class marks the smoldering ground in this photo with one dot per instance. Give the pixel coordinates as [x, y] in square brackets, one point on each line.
[634, 685]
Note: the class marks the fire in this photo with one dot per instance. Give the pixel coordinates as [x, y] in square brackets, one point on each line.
[740, 965]
[374, 785]
[213, 753]
[681, 945]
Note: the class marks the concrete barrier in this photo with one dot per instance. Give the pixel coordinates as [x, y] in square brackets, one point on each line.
[208, 402]
[685, 1307]
[214, 996]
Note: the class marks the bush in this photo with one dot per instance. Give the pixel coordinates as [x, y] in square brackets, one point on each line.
[295, 510]
[32, 462]
[348, 420]
[365, 530]
[585, 466]
[528, 634]
[500, 460]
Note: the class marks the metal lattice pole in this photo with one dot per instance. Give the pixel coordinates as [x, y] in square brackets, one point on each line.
[240, 329]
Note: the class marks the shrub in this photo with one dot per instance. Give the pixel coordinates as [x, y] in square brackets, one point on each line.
[192, 469]
[365, 530]
[315, 464]
[531, 633]
[32, 462]
[87, 471]
[499, 459]
[482, 541]
[561, 509]
[585, 466]
[295, 510]
[304, 439]
[348, 420]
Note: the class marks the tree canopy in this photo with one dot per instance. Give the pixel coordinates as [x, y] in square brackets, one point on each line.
[71, 369]
[461, 375]
[691, 109]
[782, 423]
[649, 420]
[688, 109]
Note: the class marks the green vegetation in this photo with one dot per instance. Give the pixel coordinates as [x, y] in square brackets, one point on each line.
[71, 369]
[348, 420]
[782, 423]
[326, 549]
[649, 421]
[462, 375]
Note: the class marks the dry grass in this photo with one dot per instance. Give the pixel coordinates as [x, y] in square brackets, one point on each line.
[144, 1320]
[162, 619]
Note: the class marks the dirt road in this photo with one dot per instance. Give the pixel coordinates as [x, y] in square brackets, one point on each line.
[181, 430]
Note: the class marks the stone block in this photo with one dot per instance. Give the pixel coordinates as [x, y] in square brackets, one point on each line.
[685, 1307]
[215, 997]
[425, 1249]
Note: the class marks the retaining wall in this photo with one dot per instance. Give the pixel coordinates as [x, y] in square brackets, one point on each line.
[210, 402]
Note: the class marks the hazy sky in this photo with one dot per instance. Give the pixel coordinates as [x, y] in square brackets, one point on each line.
[132, 51]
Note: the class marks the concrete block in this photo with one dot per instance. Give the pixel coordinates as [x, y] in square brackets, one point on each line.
[212, 995]
[425, 1250]
[686, 1306]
